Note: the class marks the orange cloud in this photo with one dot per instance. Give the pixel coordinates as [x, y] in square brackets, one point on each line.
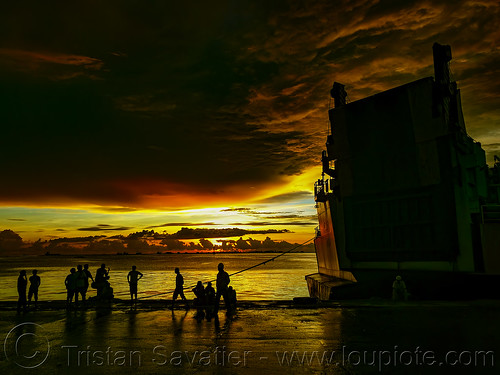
[38, 62]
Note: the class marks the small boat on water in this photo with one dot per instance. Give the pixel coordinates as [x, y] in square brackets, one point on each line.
[406, 192]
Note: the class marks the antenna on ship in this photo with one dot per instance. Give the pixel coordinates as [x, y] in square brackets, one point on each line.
[338, 94]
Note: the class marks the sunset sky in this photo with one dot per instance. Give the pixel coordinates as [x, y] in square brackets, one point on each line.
[119, 116]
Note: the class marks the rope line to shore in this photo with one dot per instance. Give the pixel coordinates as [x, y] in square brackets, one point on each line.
[234, 273]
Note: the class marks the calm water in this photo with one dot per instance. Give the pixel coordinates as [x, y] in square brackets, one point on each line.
[280, 279]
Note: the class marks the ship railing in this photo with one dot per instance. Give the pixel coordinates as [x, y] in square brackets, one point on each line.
[320, 190]
[323, 187]
[319, 187]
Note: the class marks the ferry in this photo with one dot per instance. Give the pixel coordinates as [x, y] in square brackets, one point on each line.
[405, 191]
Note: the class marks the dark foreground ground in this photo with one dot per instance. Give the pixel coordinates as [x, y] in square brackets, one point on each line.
[356, 337]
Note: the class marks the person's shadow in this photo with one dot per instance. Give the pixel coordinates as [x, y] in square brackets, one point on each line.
[178, 323]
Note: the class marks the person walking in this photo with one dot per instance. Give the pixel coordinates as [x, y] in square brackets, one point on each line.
[179, 288]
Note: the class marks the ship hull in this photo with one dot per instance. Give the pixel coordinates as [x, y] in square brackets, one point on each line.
[421, 285]
[406, 192]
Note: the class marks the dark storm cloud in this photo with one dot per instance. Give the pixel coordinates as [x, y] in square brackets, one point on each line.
[291, 216]
[17, 219]
[248, 211]
[242, 209]
[45, 64]
[192, 233]
[117, 209]
[76, 239]
[268, 223]
[372, 46]
[300, 195]
[115, 101]
[180, 225]
[276, 215]
[292, 219]
[103, 228]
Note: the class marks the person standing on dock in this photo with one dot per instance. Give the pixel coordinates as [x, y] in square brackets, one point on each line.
[34, 284]
[179, 288]
[222, 284]
[133, 277]
[101, 281]
[80, 285]
[399, 292]
[210, 298]
[70, 283]
[231, 297]
[22, 283]
[200, 300]
[88, 276]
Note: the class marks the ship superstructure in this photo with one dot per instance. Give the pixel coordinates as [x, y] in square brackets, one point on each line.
[405, 191]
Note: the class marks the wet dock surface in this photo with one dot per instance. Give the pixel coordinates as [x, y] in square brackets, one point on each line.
[356, 337]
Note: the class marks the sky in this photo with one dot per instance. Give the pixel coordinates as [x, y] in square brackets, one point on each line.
[121, 116]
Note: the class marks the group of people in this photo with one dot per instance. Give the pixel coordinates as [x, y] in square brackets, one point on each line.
[207, 300]
[22, 285]
[80, 279]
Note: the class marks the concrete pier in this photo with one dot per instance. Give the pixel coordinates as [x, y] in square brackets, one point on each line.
[352, 337]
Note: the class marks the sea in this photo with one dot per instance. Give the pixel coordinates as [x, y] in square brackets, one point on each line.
[279, 279]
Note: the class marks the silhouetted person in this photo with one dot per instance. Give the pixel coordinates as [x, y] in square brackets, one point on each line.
[210, 300]
[22, 284]
[88, 276]
[210, 293]
[101, 274]
[133, 277]
[399, 292]
[34, 284]
[101, 281]
[222, 284]
[231, 297]
[70, 283]
[179, 288]
[199, 292]
[80, 277]
[200, 300]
